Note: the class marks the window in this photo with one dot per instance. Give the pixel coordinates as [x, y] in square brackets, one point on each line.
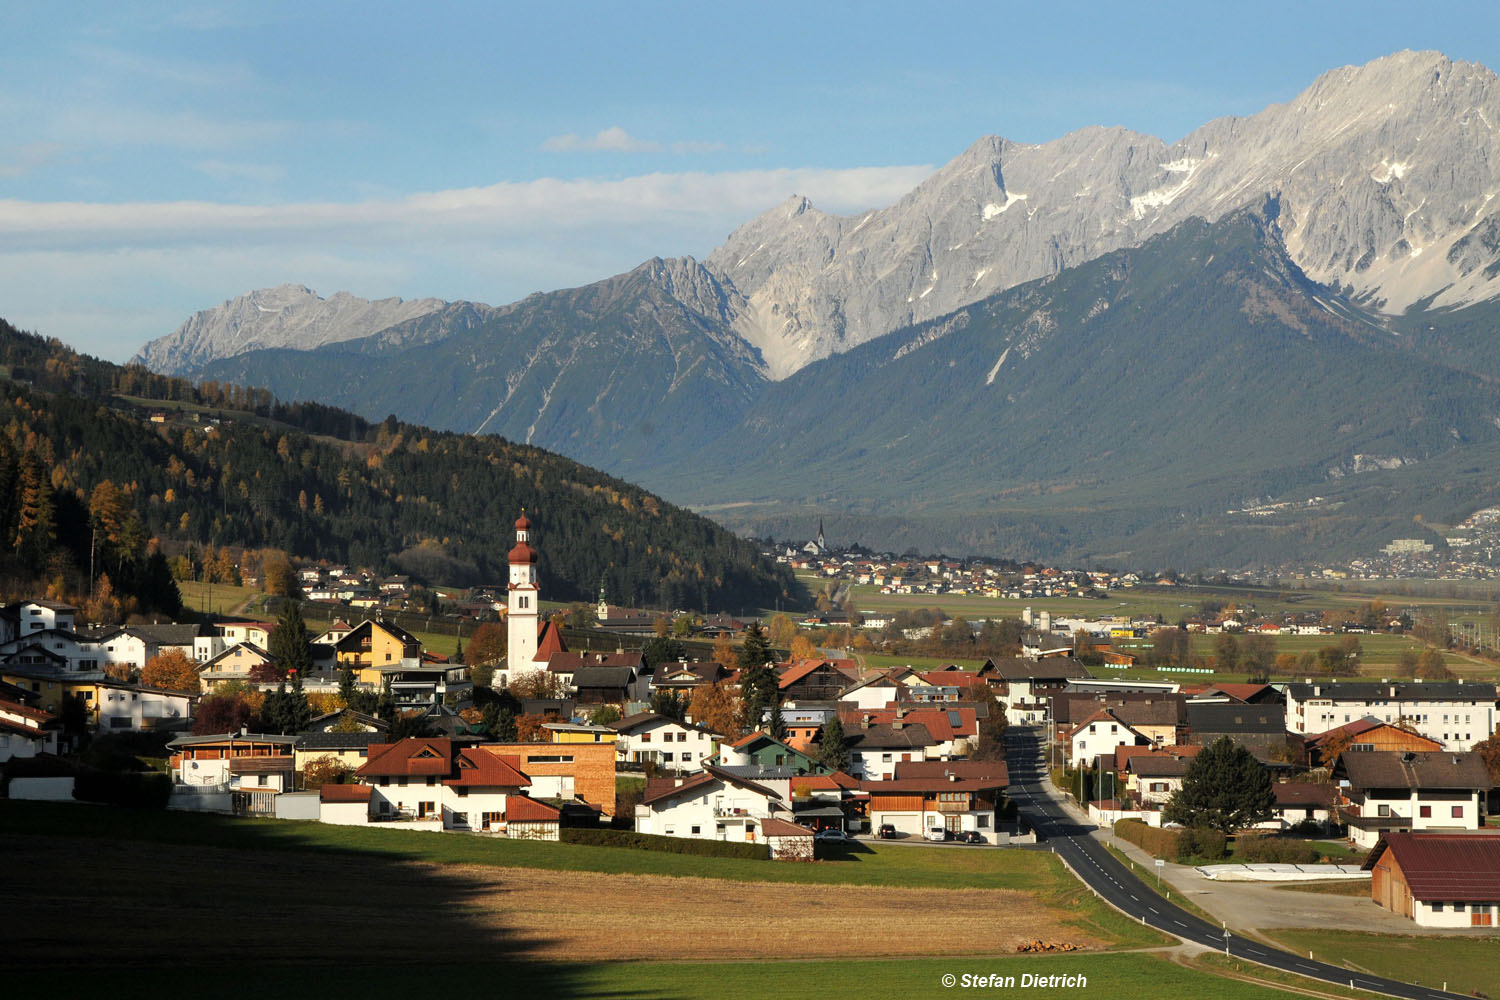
[462, 792]
[885, 758]
[667, 757]
[1383, 810]
[696, 830]
[1458, 812]
[645, 737]
[1437, 907]
[682, 737]
[1425, 812]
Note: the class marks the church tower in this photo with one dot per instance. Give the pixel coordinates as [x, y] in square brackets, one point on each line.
[523, 614]
[822, 545]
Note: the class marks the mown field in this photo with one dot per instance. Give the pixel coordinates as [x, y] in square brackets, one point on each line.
[167, 902]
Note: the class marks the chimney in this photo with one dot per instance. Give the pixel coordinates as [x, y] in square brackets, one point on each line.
[865, 722]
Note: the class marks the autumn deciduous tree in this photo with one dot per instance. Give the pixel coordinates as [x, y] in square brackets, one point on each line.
[529, 729]
[782, 630]
[324, 770]
[228, 712]
[1489, 752]
[173, 670]
[1432, 667]
[486, 645]
[803, 648]
[537, 684]
[713, 706]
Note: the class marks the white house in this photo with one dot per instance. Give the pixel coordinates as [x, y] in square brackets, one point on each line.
[1381, 791]
[25, 731]
[434, 784]
[678, 746]
[1457, 713]
[28, 617]
[1099, 736]
[711, 805]
[131, 706]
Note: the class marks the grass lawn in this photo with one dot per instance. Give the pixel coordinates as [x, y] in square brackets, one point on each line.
[1136, 975]
[879, 864]
[1465, 963]
[225, 599]
[1242, 970]
[1343, 887]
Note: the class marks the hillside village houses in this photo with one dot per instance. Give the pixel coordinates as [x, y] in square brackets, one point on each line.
[1396, 752]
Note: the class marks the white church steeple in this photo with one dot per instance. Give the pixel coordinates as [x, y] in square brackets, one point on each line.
[523, 614]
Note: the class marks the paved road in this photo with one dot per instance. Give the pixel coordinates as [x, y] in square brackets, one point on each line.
[1109, 877]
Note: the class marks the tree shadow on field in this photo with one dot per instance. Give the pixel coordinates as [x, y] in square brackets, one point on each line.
[853, 851]
[126, 903]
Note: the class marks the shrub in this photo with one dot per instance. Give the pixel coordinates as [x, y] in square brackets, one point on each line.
[1274, 850]
[133, 789]
[1154, 840]
[671, 845]
[1200, 842]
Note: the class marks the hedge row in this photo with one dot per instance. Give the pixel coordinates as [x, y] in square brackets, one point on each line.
[670, 845]
[1154, 840]
[1180, 844]
[1250, 849]
[129, 788]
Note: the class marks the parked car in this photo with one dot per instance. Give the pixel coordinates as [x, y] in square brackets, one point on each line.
[887, 831]
[936, 833]
[969, 837]
[832, 837]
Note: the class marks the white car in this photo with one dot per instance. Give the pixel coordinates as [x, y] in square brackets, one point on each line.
[936, 833]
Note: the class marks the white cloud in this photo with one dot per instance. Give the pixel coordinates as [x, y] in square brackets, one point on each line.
[108, 277]
[260, 173]
[487, 212]
[23, 159]
[699, 147]
[610, 140]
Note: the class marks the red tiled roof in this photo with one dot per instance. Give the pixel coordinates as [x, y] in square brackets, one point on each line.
[479, 769]
[936, 719]
[25, 711]
[520, 809]
[549, 641]
[1445, 867]
[1240, 692]
[410, 757]
[344, 793]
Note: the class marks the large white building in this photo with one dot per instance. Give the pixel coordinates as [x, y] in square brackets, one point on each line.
[1455, 713]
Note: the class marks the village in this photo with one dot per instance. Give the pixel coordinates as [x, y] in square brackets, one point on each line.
[1385, 781]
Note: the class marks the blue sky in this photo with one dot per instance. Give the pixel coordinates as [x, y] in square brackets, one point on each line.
[156, 159]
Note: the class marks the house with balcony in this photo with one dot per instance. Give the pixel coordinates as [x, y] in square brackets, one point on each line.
[711, 805]
[434, 784]
[1386, 791]
[254, 763]
[876, 749]
[234, 664]
[372, 648]
[957, 796]
[669, 743]
[1025, 685]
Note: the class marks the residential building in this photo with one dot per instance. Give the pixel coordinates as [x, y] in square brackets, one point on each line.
[954, 796]
[876, 749]
[565, 773]
[433, 780]
[711, 805]
[1100, 735]
[1383, 791]
[1457, 713]
[26, 731]
[651, 738]
[249, 762]
[234, 664]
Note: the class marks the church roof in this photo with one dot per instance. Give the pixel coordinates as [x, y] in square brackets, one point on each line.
[523, 522]
[522, 553]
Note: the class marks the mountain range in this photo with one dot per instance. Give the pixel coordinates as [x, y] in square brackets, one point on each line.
[1096, 346]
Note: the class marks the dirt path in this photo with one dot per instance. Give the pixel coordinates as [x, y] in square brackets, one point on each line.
[286, 907]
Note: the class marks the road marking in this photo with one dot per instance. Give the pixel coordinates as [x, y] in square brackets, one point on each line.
[1154, 910]
[1134, 897]
[1179, 923]
[1302, 966]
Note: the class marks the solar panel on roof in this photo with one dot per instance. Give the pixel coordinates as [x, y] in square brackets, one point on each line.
[954, 719]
